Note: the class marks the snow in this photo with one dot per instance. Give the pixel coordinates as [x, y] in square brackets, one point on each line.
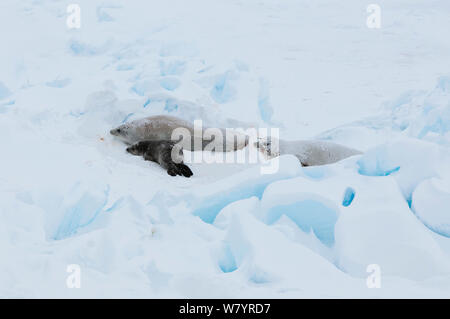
[208, 201]
[4, 92]
[394, 159]
[430, 203]
[71, 195]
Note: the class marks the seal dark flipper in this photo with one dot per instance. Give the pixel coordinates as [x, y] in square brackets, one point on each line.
[174, 166]
[172, 170]
[185, 170]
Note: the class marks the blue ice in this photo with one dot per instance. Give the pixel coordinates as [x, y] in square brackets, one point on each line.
[211, 206]
[265, 109]
[4, 91]
[245, 185]
[59, 83]
[308, 215]
[222, 91]
[177, 49]
[375, 163]
[349, 195]
[127, 117]
[142, 87]
[83, 49]
[76, 114]
[81, 214]
[4, 106]
[125, 67]
[259, 276]
[171, 105]
[315, 172]
[440, 125]
[147, 103]
[227, 262]
[172, 68]
[403, 99]
[170, 84]
[9, 103]
[102, 15]
[444, 83]
[378, 170]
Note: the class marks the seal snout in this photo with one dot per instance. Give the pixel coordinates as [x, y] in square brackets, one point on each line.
[132, 150]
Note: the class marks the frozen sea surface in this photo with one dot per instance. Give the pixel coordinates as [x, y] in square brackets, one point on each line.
[71, 195]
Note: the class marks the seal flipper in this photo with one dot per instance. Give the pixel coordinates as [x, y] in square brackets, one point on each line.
[185, 170]
[165, 160]
[172, 170]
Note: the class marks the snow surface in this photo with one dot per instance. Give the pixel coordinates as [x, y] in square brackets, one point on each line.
[70, 194]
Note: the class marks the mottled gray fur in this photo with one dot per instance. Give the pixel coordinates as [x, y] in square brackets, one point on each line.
[309, 152]
[161, 127]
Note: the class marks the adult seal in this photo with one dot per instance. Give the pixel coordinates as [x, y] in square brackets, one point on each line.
[308, 152]
[164, 127]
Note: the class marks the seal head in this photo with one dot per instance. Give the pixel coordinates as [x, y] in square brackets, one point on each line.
[138, 148]
[125, 132]
[269, 147]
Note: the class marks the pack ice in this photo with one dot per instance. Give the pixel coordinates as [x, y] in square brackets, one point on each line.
[71, 195]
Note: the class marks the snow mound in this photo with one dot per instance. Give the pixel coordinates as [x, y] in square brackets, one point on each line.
[208, 201]
[259, 258]
[80, 209]
[305, 204]
[379, 228]
[4, 91]
[430, 202]
[423, 115]
[409, 161]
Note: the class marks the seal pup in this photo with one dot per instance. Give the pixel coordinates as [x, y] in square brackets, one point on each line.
[162, 127]
[166, 153]
[308, 152]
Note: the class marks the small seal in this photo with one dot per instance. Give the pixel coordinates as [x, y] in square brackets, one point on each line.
[308, 152]
[166, 153]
